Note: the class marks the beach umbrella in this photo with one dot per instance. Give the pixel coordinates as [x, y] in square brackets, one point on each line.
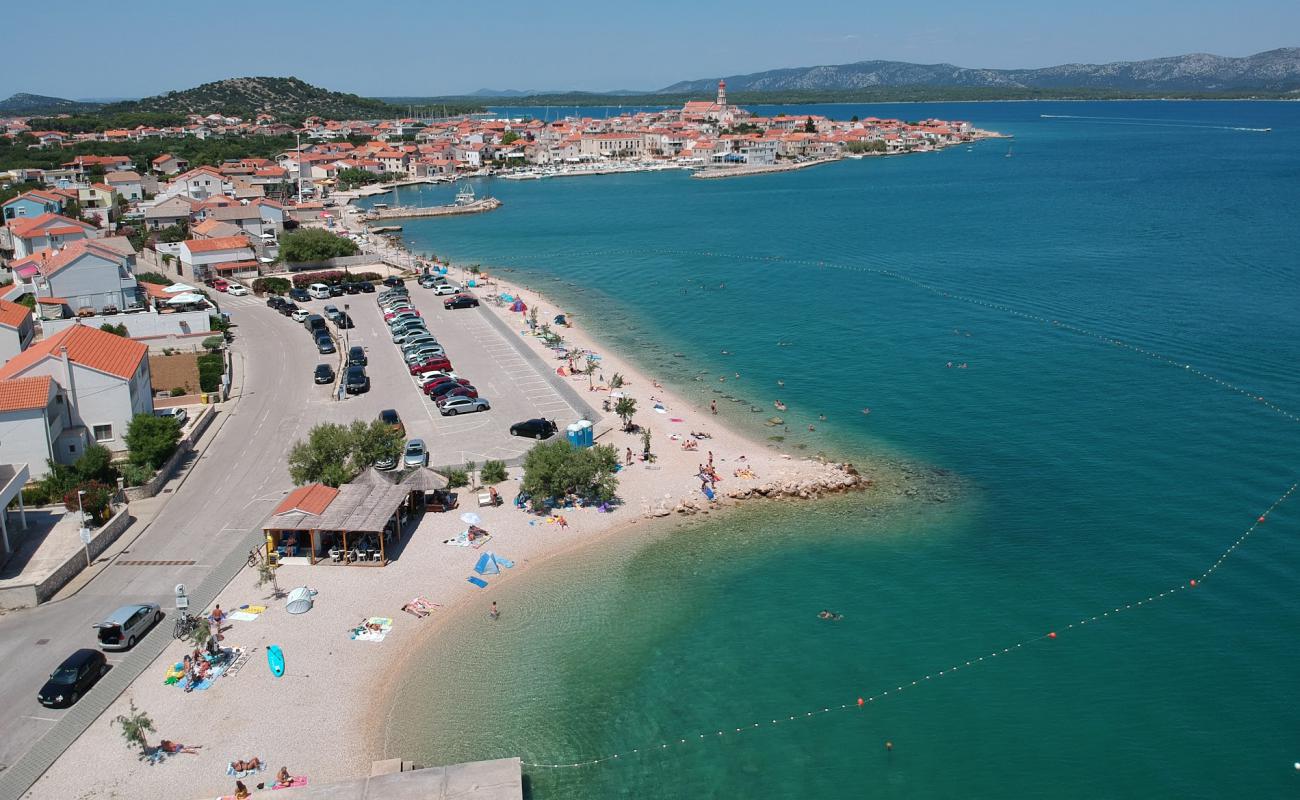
[179, 287]
[185, 299]
[518, 305]
[470, 518]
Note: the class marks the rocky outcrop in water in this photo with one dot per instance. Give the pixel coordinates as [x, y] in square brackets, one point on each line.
[825, 479]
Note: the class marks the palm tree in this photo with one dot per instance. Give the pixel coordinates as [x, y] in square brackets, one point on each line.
[590, 369]
[625, 408]
[136, 726]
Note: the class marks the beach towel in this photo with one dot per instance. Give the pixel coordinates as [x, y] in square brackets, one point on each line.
[479, 582]
[294, 781]
[365, 634]
[463, 540]
[242, 616]
[676, 419]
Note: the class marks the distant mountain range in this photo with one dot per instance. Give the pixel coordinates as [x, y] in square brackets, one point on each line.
[23, 105]
[1272, 71]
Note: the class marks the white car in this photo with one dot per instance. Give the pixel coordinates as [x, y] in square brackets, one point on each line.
[237, 290]
[300, 315]
[446, 288]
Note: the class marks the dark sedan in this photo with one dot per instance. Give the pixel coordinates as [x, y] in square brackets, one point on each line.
[460, 301]
[534, 428]
[357, 381]
[299, 294]
[73, 678]
[439, 388]
[324, 373]
[367, 287]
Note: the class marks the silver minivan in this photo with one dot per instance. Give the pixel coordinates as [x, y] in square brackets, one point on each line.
[128, 625]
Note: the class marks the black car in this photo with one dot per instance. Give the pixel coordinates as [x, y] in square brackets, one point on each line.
[357, 380]
[534, 428]
[344, 321]
[325, 345]
[324, 373]
[274, 301]
[439, 389]
[299, 294]
[352, 288]
[73, 678]
[357, 356]
[460, 301]
[287, 307]
[336, 290]
[367, 287]
[314, 323]
[393, 280]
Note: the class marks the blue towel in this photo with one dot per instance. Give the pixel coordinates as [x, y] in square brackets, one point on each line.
[707, 492]
[479, 582]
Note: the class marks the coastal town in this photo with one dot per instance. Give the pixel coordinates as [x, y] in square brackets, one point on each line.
[180, 340]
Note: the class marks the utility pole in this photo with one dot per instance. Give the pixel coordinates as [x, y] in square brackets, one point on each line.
[299, 135]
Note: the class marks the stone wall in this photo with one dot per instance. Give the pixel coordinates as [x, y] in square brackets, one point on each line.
[36, 593]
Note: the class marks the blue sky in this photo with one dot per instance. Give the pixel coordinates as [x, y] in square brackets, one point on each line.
[425, 47]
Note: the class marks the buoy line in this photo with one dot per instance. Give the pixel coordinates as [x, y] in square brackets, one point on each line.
[861, 702]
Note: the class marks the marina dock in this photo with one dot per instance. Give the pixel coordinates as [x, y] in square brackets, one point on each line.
[474, 207]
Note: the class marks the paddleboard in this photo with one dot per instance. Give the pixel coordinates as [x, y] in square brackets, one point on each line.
[275, 659]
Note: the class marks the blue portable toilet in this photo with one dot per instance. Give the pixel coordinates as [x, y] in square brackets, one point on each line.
[586, 433]
[574, 434]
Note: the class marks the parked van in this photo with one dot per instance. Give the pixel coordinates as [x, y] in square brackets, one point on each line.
[319, 291]
[314, 323]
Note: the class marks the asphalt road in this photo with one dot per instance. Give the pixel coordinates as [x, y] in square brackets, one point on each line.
[228, 491]
[241, 474]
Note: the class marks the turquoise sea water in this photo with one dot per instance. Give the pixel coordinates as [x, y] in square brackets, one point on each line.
[1080, 475]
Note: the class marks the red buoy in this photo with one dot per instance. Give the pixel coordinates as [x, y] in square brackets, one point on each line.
[1192, 583]
[861, 702]
[1051, 635]
[1261, 518]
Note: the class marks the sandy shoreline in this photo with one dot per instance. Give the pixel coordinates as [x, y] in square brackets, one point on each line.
[327, 717]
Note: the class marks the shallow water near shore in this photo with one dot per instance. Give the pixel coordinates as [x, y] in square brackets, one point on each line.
[1083, 476]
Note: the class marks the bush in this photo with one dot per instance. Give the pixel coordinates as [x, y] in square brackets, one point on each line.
[94, 502]
[556, 469]
[493, 472]
[315, 244]
[136, 474]
[151, 439]
[457, 478]
[304, 279]
[214, 342]
[263, 286]
[211, 367]
[36, 495]
[153, 277]
[117, 330]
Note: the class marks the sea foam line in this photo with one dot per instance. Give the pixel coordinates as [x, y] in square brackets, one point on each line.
[1145, 121]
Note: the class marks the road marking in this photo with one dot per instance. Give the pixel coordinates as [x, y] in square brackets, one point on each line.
[41, 719]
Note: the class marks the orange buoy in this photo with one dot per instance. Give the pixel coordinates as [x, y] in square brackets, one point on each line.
[1051, 635]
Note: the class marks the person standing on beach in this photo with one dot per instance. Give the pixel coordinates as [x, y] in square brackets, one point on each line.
[628, 457]
[494, 614]
[713, 406]
[710, 459]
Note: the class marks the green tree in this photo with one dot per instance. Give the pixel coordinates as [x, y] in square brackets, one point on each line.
[493, 472]
[117, 330]
[174, 233]
[315, 244]
[154, 277]
[556, 469]
[323, 457]
[370, 442]
[809, 126]
[151, 440]
[510, 137]
[625, 408]
[136, 726]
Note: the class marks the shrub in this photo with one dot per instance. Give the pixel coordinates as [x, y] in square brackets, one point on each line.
[36, 495]
[153, 277]
[263, 286]
[557, 469]
[493, 471]
[211, 367]
[315, 244]
[457, 478]
[136, 474]
[214, 342]
[117, 330]
[177, 391]
[94, 502]
[151, 439]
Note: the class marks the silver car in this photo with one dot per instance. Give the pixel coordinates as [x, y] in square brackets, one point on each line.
[128, 625]
[457, 405]
[416, 454]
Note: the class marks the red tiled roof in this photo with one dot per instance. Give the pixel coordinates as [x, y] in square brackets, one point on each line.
[13, 314]
[235, 266]
[51, 264]
[25, 228]
[90, 347]
[208, 245]
[313, 498]
[20, 394]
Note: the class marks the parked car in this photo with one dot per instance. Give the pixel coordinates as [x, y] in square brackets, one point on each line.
[325, 345]
[446, 288]
[392, 419]
[128, 625]
[314, 322]
[274, 301]
[324, 373]
[351, 288]
[460, 301]
[424, 354]
[428, 281]
[287, 308]
[343, 321]
[403, 310]
[386, 462]
[238, 289]
[457, 391]
[300, 315]
[419, 343]
[73, 678]
[461, 405]
[439, 388]
[534, 428]
[430, 365]
[426, 379]
[178, 414]
[357, 382]
[220, 284]
[389, 294]
[336, 290]
[415, 455]
[393, 280]
[367, 287]
[330, 312]
[299, 294]
[409, 332]
[357, 356]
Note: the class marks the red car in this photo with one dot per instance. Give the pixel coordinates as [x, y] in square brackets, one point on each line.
[433, 364]
[388, 315]
[459, 391]
[437, 388]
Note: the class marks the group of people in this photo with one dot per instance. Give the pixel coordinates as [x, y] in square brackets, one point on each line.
[283, 779]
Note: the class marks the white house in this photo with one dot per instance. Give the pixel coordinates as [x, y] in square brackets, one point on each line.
[104, 378]
[201, 256]
[34, 417]
[46, 232]
[16, 329]
[86, 277]
[200, 184]
[127, 184]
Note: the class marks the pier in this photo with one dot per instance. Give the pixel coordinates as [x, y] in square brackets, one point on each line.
[474, 207]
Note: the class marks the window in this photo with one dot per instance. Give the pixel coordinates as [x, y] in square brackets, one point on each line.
[103, 433]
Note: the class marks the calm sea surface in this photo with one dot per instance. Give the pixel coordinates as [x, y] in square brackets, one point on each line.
[1066, 475]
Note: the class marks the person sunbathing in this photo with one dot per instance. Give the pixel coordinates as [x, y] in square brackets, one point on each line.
[241, 791]
[251, 765]
[283, 778]
[173, 747]
[417, 610]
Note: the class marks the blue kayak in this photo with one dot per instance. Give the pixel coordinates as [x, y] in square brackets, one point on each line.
[275, 658]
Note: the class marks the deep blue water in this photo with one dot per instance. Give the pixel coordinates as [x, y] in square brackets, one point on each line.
[1082, 475]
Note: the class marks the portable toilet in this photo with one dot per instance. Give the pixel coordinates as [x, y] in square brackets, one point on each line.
[586, 432]
[574, 434]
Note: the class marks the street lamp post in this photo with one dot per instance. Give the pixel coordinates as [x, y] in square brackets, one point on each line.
[85, 532]
[347, 316]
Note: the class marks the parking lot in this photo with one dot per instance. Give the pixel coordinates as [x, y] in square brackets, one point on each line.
[516, 384]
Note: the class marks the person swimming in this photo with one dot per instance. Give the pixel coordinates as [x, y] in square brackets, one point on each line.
[830, 615]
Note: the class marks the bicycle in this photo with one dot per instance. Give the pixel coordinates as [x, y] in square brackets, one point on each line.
[186, 624]
[254, 557]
